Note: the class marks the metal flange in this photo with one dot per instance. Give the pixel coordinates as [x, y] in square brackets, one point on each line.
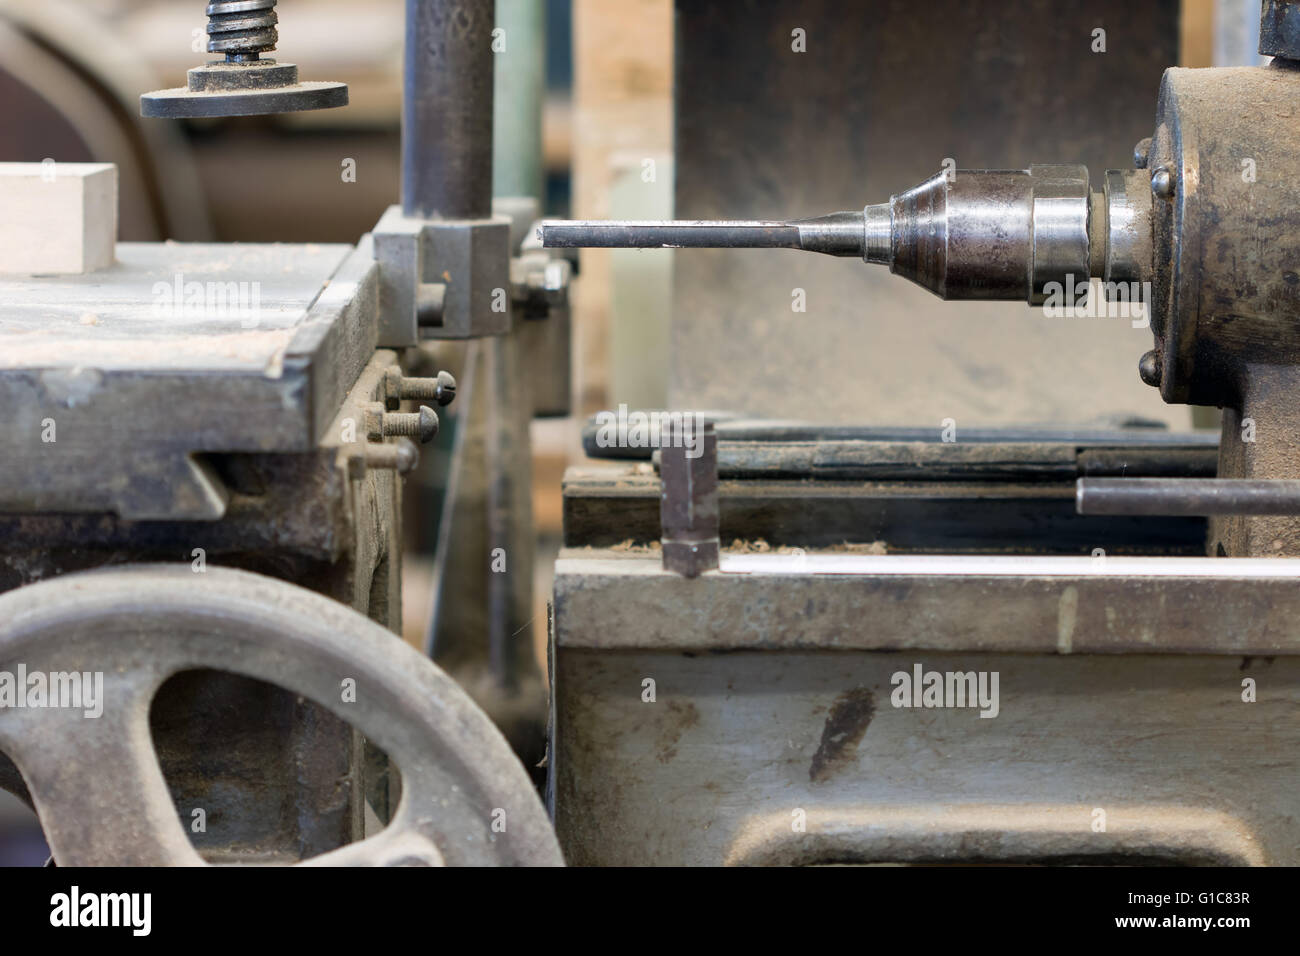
[242, 89]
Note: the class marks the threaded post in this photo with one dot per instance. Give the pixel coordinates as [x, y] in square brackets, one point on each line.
[242, 29]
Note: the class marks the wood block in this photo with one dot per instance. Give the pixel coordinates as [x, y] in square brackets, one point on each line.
[57, 218]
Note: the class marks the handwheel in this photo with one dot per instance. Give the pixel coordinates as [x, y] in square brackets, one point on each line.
[96, 782]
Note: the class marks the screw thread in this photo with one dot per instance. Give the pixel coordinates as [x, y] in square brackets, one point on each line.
[242, 29]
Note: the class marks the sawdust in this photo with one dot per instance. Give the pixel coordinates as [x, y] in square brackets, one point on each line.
[759, 546]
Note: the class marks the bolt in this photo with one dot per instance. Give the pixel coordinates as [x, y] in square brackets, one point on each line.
[397, 387]
[1142, 153]
[1162, 182]
[1150, 367]
[422, 424]
[400, 456]
[242, 29]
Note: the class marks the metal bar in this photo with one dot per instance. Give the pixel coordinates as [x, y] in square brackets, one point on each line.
[447, 109]
[689, 502]
[1187, 496]
[839, 234]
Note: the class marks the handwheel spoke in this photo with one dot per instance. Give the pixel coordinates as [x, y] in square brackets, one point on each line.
[96, 782]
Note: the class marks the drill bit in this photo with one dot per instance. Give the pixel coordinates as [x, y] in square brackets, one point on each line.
[839, 234]
[965, 234]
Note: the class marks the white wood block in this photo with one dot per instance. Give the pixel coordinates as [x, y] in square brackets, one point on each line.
[57, 218]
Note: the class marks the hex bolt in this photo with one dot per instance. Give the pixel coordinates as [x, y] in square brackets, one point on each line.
[422, 425]
[1142, 153]
[400, 456]
[688, 505]
[441, 389]
[1162, 183]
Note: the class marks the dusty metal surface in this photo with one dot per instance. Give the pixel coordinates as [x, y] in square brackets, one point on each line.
[265, 762]
[611, 600]
[97, 785]
[242, 84]
[1226, 287]
[606, 506]
[117, 374]
[771, 735]
[716, 768]
[879, 100]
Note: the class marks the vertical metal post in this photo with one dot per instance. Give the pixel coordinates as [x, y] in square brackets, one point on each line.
[447, 109]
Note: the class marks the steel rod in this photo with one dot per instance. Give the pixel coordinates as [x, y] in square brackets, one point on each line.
[1186, 496]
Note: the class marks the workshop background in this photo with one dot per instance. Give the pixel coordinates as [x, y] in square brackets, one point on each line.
[71, 72]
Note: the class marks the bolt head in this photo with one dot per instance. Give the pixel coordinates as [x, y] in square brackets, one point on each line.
[446, 390]
[1162, 183]
[428, 424]
[408, 456]
[1142, 153]
[1150, 368]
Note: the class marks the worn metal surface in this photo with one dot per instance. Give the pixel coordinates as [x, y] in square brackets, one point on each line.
[688, 502]
[243, 84]
[127, 366]
[607, 506]
[447, 109]
[764, 131]
[1136, 438]
[442, 278]
[610, 600]
[265, 763]
[1227, 292]
[1279, 29]
[739, 750]
[97, 785]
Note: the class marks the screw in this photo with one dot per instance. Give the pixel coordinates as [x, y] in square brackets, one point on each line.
[422, 424]
[242, 29]
[1162, 182]
[1142, 153]
[400, 456]
[397, 387]
[1150, 367]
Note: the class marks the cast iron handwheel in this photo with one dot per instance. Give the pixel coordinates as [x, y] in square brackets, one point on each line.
[96, 782]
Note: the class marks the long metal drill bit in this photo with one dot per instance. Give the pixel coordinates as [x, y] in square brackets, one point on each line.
[839, 234]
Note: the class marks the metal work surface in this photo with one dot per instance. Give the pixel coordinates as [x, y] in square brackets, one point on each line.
[880, 99]
[96, 782]
[126, 366]
[718, 768]
[610, 600]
